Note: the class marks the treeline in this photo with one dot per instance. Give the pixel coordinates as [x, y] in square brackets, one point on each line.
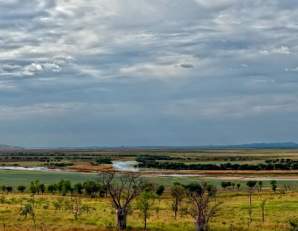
[278, 164]
[47, 156]
[63, 187]
[142, 158]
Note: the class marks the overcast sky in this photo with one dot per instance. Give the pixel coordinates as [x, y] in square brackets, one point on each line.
[148, 72]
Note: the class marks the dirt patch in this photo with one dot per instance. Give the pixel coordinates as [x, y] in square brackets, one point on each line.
[87, 167]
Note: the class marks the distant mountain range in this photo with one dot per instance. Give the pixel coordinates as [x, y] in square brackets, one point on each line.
[282, 145]
[9, 147]
[257, 145]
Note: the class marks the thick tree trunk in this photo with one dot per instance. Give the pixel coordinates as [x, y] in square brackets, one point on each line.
[121, 218]
[145, 222]
[176, 208]
[201, 224]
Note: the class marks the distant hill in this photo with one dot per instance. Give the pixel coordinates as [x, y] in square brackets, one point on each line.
[4, 147]
[257, 145]
[281, 145]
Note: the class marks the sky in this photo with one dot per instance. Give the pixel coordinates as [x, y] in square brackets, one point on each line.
[148, 72]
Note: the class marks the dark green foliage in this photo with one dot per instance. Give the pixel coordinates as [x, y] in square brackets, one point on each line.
[293, 224]
[59, 164]
[238, 186]
[195, 188]
[64, 187]
[226, 184]
[8, 189]
[91, 188]
[251, 184]
[273, 185]
[78, 188]
[160, 190]
[103, 160]
[279, 164]
[52, 188]
[21, 188]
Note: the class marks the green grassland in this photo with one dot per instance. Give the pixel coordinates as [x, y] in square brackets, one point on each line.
[198, 155]
[19, 177]
[232, 215]
[281, 206]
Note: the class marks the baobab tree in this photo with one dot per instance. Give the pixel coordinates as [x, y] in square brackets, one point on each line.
[202, 209]
[122, 189]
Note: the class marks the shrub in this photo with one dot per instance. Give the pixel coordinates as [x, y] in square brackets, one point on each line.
[21, 188]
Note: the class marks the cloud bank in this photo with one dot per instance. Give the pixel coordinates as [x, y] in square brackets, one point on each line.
[138, 72]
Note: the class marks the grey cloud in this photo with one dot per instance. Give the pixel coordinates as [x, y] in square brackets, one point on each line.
[128, 66]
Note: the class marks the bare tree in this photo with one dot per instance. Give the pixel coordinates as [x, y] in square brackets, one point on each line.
[202, 208]
[122, 189]
[76, 207]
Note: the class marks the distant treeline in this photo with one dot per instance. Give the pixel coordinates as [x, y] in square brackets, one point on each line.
[142, 158]
[278, 164]
[51, 157]
[63, 187]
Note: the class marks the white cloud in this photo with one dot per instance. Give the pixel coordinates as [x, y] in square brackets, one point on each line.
[215, 3]
[295, 69]
[32, 69]
[283, 50]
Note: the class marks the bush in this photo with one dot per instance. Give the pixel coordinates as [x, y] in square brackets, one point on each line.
[103, 160]
[21, 188]
[293, 224]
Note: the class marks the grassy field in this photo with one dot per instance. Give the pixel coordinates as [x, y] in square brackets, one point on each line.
[233, 214]
[17, 177]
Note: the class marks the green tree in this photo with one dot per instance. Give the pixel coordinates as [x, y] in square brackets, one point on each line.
[91, 188]
[238, 186]
[78, 188]
[260, 186]
[34, 187]
[21, 188]
[64, 187]
[177, 193]
[273, 185]
[160, 190]
[251, 187]
[28, 209]
[52, 188]
[42, 188]
[145, 202]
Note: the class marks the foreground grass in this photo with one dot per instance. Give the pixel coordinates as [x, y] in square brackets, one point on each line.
[233, 214]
